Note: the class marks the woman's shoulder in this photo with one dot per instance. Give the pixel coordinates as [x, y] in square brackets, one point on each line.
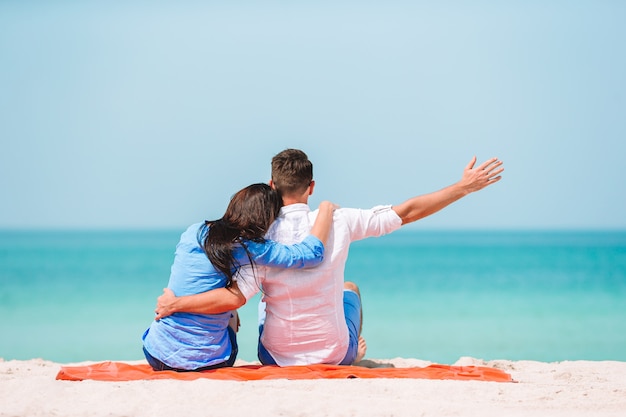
[192, 235]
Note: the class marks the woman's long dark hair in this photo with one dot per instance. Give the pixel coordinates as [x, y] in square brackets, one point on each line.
[249, 214]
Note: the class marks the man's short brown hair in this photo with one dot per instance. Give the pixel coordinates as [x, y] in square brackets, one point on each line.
[292, 172]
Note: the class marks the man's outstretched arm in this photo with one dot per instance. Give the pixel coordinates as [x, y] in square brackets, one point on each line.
[474, 179]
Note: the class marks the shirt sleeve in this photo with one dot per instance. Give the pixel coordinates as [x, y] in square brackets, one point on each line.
[248, 281]
[308, 253]
[374, 222]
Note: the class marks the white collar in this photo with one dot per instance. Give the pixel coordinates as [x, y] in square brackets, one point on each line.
[291, 208]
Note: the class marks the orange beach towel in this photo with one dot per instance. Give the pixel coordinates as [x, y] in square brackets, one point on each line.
[120, 371]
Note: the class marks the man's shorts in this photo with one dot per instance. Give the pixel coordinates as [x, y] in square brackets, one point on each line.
[352, 313]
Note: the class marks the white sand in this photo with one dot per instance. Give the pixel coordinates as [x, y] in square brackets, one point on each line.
[579, 388]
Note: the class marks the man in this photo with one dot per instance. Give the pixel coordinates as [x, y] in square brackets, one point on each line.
[312, 316]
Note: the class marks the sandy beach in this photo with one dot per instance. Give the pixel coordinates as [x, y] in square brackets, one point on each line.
[576, 388]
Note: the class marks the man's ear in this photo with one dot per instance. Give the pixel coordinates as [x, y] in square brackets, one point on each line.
[271, 184]
[311, 186]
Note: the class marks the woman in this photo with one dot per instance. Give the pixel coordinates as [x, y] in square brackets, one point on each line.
[208, 256]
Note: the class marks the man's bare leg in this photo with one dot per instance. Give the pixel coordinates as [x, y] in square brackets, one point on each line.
[362, 345]
[360, 353]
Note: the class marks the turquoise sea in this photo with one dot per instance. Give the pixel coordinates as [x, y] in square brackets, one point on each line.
[70, 296]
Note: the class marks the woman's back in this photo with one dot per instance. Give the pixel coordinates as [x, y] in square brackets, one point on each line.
[185, 340]
[207, 257]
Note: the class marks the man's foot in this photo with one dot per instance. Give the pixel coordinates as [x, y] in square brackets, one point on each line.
[360, 353]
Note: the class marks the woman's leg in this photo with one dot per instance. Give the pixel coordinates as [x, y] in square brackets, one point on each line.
[157, 365]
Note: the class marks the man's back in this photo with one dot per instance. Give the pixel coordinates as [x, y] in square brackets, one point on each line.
[305, 321]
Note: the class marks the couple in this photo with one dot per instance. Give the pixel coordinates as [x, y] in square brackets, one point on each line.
[311, 315]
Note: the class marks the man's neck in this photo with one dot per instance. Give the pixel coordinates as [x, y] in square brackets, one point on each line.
[295, 198]
[287, 201]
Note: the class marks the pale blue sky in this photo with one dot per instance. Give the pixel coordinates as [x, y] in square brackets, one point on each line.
[152, 114]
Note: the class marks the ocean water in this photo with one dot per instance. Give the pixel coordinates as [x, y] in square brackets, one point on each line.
[71, 296]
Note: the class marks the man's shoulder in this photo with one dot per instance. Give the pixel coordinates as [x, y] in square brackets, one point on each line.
[292, 225]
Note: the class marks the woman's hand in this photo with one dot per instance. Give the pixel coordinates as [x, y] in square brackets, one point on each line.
[324, 221]
[328, 207]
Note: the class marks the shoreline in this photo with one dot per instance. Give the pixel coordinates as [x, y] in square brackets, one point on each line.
[568, 388]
